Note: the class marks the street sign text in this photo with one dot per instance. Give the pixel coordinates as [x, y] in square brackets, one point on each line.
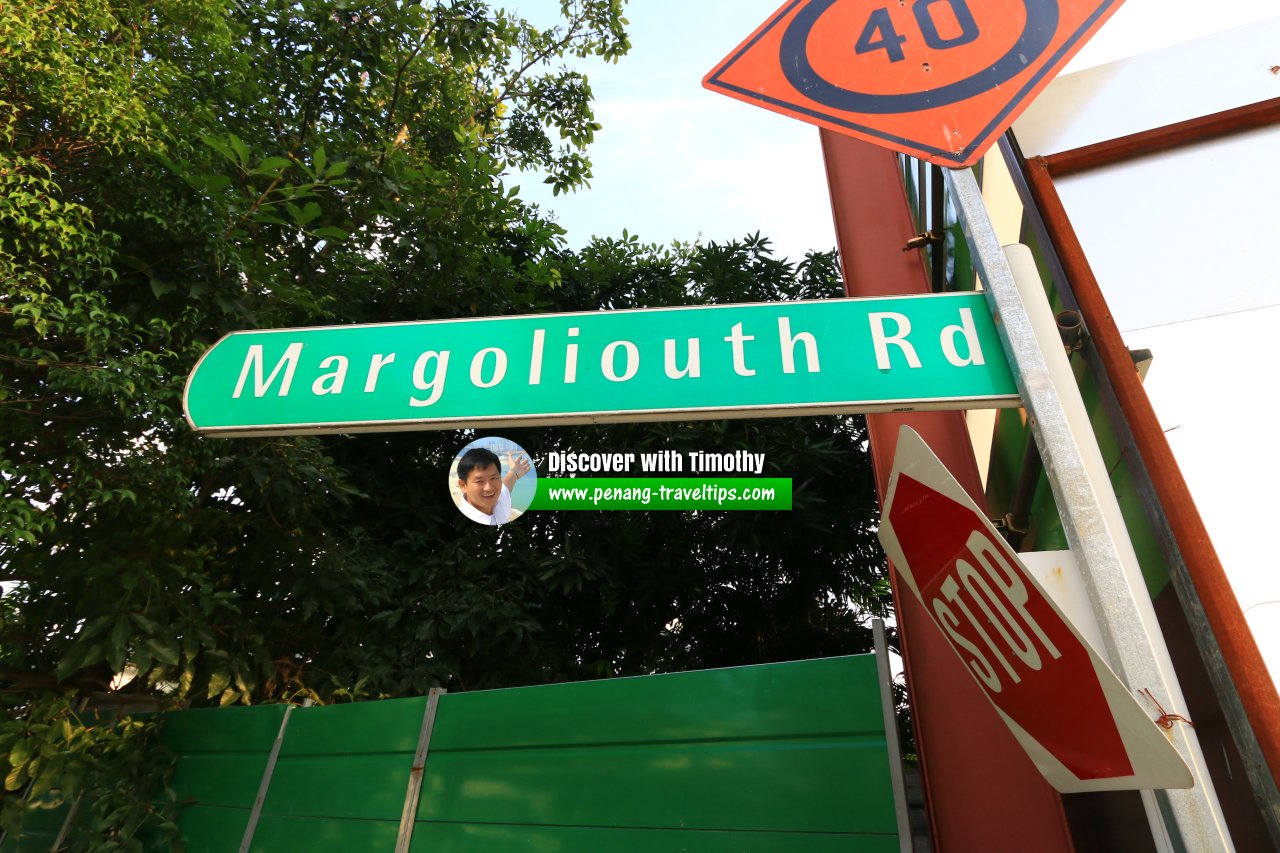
[837, 355]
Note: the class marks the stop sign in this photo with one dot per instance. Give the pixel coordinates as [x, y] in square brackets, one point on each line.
[1080, 725]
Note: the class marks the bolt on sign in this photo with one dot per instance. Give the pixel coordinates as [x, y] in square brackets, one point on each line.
[936, 79]
[1081, 726]
[901, 353]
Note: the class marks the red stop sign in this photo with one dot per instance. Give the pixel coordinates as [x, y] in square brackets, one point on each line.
[1080, 725]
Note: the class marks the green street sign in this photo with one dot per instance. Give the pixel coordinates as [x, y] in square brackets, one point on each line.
[899, 353]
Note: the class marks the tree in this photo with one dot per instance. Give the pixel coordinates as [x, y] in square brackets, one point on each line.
[173, 170]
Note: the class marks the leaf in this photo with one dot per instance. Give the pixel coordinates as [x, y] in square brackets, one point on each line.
[17, 776]
[214, 184]
[241, 150]
[271, 166]
[305, 214]
[165, 651]
[96, 625]
[21, 752]
[142, 658]
[120, 633]
[218, 682]
[80, 655]
[44, 782]
[217, 145]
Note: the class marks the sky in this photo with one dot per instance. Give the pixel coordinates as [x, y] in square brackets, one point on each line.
[677, 162]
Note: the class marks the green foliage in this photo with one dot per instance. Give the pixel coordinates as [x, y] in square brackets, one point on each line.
[176, 169]
[92, 763]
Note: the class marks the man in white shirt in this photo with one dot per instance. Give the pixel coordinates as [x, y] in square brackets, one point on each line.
[486, 493]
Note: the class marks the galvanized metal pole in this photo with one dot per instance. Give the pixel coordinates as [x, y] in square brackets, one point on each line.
[1185, 820]
[265, 784]
[906, 842]
[69, 822]
[416, 770]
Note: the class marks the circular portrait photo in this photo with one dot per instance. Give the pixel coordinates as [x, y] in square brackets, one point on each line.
[492, 480]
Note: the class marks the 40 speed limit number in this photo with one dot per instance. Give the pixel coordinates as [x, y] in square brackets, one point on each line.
[938, 79]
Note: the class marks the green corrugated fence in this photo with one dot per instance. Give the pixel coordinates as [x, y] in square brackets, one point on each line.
[777, 758]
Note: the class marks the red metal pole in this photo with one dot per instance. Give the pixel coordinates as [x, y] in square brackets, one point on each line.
[983, 793]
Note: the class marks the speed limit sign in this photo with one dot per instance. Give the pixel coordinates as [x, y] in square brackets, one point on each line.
[936, 79]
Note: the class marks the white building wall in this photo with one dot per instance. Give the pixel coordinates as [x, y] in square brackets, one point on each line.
[1183, 246]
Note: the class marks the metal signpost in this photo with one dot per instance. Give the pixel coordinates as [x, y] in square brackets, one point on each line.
[1135, 647]
[836, 355]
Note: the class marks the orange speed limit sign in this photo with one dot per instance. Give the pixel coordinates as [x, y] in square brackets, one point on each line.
[937, 79]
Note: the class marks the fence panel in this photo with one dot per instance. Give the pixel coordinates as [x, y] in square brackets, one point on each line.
[777, 758]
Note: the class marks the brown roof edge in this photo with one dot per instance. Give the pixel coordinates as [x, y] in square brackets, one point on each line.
[1248, 117]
